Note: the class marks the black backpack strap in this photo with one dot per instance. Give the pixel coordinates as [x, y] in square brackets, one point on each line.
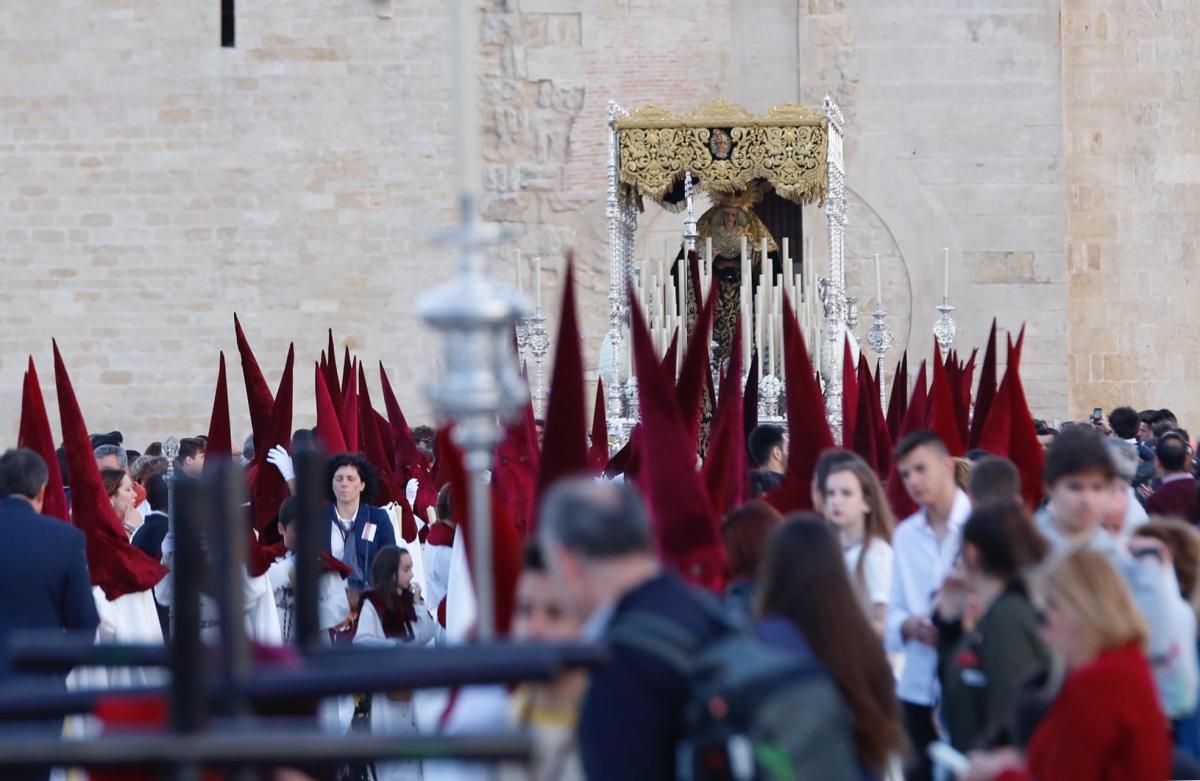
[659, 636]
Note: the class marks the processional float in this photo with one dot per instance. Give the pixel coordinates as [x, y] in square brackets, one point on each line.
[759, 171]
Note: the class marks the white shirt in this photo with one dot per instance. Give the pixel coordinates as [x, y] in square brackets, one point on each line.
[921, 563]
[337, 543]
[877, 570]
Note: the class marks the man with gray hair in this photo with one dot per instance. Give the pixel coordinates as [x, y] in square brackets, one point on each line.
[111, 457]
[597, 542]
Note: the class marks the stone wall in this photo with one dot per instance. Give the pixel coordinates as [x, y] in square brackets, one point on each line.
[1131, 93]
[154, 183]
[954, 139]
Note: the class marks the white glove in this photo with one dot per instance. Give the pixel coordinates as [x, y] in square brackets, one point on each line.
[282, 461]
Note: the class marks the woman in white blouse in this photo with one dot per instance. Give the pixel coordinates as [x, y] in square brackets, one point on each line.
[856, 506]
[393, 613]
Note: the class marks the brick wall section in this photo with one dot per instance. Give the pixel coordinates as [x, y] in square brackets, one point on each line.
[957, 106]
[154, 183]
[1132, 107]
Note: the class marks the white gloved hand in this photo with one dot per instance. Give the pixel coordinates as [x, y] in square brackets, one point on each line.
[282, 461]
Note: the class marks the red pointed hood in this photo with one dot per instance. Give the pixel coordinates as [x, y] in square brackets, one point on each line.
[564, 446]
[724, 468]
[516, 469]
[898, 401]
[942, 418]
[903, 505]
[883, 437]
[35, 435]
[1024, 449]
[686, 528]
[408, 455]
[864, 428]
[329, 368]
[598, 452]
[220, 436]
[270, 489]
[628, 460]
[347, 380]
[671, 356]
[116, 567]
[808, 430]
[987, 388]
[258, 393]
[348, 414]
[694, 376]
[390, 488]
[750, 402]
[966, 378]
[329, 429]
[849, 396]
[506, 541]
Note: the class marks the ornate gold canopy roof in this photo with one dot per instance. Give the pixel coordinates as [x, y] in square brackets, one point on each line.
[726, 148]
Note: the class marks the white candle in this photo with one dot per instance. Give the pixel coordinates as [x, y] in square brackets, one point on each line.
[772, 352]
[946, 272]
[681, 274]
[745, 346]
[746, 272]
[787, 266]
[628, 358]
[878, 283]
[758, 332]
[537, 281]
[681, 329]
[708, 262]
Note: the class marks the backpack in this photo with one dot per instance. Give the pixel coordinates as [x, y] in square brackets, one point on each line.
[753, 712]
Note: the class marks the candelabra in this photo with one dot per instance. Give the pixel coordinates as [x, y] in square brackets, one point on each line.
[539, 344]
[944, 329]
[631, 398]
[522, 332]
[690, 231]
[851, 313]
[769, 391]
[880, 338]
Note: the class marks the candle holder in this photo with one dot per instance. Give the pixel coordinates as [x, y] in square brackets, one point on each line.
[769, 390]
[539, 344]
[944, 329]
[522, 332]
[880, 339]
[851, 313]
[631, 399]
[690, 231]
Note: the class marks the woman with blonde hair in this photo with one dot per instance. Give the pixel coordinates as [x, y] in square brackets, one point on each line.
[1106, 722]
[858, 509]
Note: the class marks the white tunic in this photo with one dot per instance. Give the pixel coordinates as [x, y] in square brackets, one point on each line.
[332, 605]
[390, 716]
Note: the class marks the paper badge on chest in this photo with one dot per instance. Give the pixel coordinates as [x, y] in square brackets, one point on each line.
[369, 532]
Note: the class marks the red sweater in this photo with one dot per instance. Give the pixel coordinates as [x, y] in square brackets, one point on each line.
[1176, 499]
[1106, 725]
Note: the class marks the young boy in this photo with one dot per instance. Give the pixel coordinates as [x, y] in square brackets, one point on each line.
[333, 607]
[1079, 474]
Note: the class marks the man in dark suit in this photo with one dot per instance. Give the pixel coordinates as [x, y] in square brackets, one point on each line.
[354, 531]
[44, 581]
[149, 536]
[1176, 496]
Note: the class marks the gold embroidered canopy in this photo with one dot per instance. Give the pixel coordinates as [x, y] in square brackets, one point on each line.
[727, 150]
